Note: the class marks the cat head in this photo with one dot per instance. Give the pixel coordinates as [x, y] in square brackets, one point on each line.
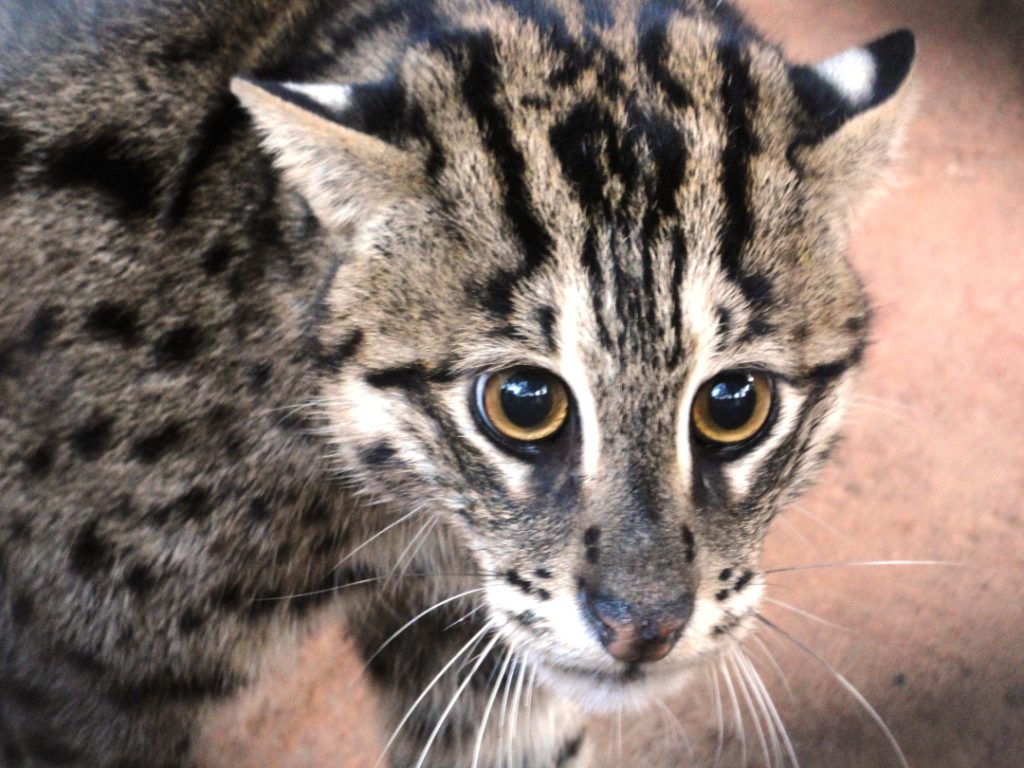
[593, 309]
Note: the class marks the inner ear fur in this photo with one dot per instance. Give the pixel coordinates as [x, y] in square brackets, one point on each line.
[345, 175]
[859, 104]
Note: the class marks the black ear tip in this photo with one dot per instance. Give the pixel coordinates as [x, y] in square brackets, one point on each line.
[893, 54]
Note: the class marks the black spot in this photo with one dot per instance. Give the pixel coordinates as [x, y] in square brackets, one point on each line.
[857, 324]
[24, 694]
[111, 164]
[19, 531]
[317, 511]
[379, 453]
[151, 447]
[259, 375]
[334, 359]
[258, 509]
[48, 750]
[42, 328]
[542, 573]
[899, 680]
[194, 504]
[725, 575]
[568, 751]
[90, 553]
[12, 144]
[170, 687]
[526, 618]
[825, 374]
[216, 258]
[1014, 696]
[139, 579]
[743, 580]
[542, 593]
[513, 578]
[86, 663]
[722, 594]
[757, 290]
[40, 461]
[178, 345]
[189, 622]
[591, 536]
[21, 610]
[92, 439]
[690, 543]
[410, 377]
[229, 597]
[593, 554]
[111, 321]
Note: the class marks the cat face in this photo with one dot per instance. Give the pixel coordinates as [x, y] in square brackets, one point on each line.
[593, 310]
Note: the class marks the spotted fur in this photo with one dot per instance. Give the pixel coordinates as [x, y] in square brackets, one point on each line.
[242, 321]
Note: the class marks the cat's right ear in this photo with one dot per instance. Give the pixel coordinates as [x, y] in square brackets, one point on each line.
[858, 103]
[346, 176]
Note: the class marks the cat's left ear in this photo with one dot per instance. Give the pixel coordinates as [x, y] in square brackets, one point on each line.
[858, 104]
[347, 176]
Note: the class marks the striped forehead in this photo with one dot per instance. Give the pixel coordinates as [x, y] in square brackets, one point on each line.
[628, 154]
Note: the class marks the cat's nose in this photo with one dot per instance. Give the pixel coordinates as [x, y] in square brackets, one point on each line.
[636, 634]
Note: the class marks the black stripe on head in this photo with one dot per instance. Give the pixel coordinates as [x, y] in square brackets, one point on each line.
[679, 255]
[412, 378]
[654, 51]
[667, 148]
[592, 266]
[827, 373]
[221, 126]
[333, 359]
[482, 91]
[575, 141]
[739, 98]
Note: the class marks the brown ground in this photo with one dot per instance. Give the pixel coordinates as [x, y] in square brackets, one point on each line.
[933, 468]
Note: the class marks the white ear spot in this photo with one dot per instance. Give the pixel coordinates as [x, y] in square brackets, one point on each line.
[333, 97]
[853, 74]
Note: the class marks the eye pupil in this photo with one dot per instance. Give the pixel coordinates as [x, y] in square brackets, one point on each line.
[526, 400]
[732, 409]
[521, 407]
[732, 401]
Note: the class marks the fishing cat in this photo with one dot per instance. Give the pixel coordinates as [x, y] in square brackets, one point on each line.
[507, 324]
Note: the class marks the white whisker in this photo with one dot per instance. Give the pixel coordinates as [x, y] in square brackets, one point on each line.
[416, 618]
[850, 688]
[737, 712]
[742, 685]
[419, 699]
[482, 730]
[861, 564]
[451, 705]
[806, 614]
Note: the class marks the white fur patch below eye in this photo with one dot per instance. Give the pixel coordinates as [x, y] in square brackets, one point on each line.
[574, 372]
[853, 74]
[332, 96]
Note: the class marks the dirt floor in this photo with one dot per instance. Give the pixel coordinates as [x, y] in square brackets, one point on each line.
[933, 467]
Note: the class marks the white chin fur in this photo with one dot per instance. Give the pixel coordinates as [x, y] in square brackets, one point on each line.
[605, 695]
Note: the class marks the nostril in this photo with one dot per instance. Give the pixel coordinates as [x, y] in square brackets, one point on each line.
[633, 634]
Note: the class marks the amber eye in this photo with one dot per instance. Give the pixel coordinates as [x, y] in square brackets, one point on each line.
[523, 405]
[732, 408]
